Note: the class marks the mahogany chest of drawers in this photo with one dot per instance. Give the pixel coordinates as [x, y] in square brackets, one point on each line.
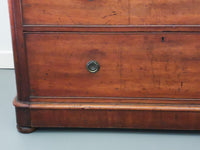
[107, 63]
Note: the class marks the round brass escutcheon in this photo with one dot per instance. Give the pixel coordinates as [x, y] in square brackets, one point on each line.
[93, 66]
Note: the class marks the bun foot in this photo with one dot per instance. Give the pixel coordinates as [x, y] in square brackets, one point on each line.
[26, 129]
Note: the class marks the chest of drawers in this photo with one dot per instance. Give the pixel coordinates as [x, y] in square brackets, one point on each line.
[107, 63]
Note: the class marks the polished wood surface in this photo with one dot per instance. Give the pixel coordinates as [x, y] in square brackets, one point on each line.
[165, 12]
[168, 120]
[75, 12]
[111, 12]
[148, 52]
[132, 64]
[116, 119]
[19, 50]
[112, 115]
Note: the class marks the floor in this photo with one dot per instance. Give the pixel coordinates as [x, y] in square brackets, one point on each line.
[82, 139]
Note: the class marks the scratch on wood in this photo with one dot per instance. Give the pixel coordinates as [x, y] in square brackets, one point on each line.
[181, 84]
[114, 13]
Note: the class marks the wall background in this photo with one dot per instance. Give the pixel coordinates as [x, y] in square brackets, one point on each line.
[6, 56]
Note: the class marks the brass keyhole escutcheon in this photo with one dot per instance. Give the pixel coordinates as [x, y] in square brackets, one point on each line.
[93, 66]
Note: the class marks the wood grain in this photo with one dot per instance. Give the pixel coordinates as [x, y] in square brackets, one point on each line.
[162, 65]
[21, 68]
[75, 12]
[112, 115]
[149, 52]
[116, 119]
[164, 12]
[111, 12]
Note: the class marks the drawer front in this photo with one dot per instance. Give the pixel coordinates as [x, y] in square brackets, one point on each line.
[76, 12]
[111, 12]
[162, 65]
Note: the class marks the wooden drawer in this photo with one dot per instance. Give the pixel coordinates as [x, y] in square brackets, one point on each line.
[111, 12]
[160, 65]
[75, 12]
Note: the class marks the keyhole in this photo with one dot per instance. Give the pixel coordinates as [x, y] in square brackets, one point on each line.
[163, 39]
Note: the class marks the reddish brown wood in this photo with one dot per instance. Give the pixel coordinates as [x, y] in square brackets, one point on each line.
[111, 28]
[111, 12]
[101, 115]
[26, 129]
[182, 12]
[148, 51]
[75, 12]
[23, 116]
[115, 100]
[132, 64]
[116, 119]
[21, 68]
